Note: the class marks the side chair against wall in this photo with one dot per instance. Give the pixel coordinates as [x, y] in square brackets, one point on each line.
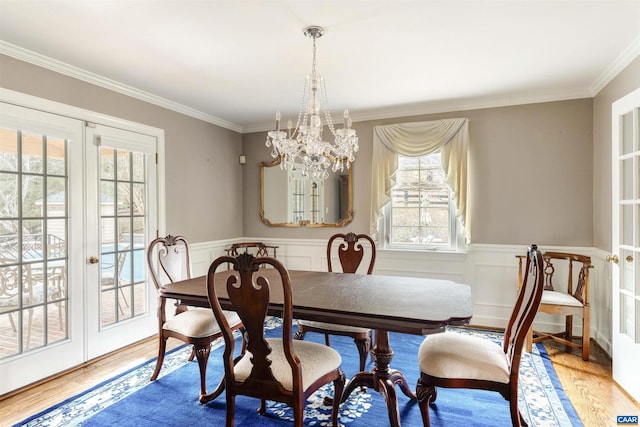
[279, 369]
[169, 261]
[456, 360]
[568, 300]
[350, 252]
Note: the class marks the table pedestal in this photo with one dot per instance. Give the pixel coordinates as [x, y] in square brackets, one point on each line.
[381, 378]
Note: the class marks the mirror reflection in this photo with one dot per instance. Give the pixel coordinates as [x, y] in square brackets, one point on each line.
[289, 200]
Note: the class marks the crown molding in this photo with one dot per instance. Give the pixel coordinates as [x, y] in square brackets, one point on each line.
[623, 60]
[86, 76]
[619, 64]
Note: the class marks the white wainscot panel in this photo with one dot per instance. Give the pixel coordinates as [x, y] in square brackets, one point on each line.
[495, 288]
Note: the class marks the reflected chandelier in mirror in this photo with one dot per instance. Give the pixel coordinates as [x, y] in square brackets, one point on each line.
[287, 199]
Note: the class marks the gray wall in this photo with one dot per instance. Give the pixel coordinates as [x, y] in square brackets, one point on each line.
[203, 176]
[562, 150]
[625, 82]
[531, 174]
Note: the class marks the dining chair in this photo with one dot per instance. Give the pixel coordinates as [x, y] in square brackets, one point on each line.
[258, 249]
[169, 261]
[565, 299]
[458, 360]
[350, 250]
[280, 368]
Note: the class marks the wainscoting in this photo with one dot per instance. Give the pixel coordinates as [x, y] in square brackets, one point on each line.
[491, 271]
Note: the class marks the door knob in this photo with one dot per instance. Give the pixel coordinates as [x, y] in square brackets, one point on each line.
[612, 258]
[629, 258]
[94, 260]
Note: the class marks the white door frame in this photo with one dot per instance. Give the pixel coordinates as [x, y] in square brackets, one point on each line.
[625, 267]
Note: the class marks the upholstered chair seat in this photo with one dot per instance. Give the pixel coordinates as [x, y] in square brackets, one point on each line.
[317, 360]
[454, 355]
[562, 298]
[197, 323]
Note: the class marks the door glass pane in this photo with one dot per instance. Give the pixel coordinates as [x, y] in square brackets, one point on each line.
[33, 241]
[627, 179]
[123, 234]
[32, 153]
[627, 133]
[627, 225]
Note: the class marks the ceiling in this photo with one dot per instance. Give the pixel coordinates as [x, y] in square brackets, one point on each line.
[235, 63]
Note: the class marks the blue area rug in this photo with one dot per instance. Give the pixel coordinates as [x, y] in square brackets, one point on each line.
[131, 400]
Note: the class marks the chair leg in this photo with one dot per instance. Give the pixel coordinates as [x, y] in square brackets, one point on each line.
[585, 337]
[425, 394]
[327, 341]
[298, 412]
[338, 388]
[568, 331]
[202, 354]
[263, 407]
[300, 333]
[231, 409]
[517, 419]
[364, 345]
[162, 347]
[529, 340]
[12, 322]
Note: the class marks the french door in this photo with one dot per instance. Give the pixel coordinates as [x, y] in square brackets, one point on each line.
[78, 204]
[121, 198]
[626, 243]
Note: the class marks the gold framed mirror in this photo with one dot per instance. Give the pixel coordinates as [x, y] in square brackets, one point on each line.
[288, 200]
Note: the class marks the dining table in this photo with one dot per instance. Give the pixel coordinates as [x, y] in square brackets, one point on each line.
[412, 305]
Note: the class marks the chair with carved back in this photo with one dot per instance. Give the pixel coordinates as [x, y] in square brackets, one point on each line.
[258, 249]
[169, 261]
[457, 360]
[567, 299]
[279, 369]
[350, 249]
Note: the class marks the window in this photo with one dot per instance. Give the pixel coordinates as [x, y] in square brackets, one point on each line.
[411, 164]
[421, 213]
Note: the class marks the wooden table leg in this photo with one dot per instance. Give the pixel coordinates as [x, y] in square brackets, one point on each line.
[381, 378]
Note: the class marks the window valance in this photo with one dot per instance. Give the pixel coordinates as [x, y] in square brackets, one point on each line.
[449, 136]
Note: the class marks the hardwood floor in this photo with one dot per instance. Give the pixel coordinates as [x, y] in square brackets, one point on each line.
[592, 392]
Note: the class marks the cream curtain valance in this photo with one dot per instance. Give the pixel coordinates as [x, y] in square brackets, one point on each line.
[449, 136]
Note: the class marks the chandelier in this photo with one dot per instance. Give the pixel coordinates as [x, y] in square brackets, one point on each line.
[303, 148]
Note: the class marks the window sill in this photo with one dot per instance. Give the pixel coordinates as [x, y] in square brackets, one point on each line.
[423, 253]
